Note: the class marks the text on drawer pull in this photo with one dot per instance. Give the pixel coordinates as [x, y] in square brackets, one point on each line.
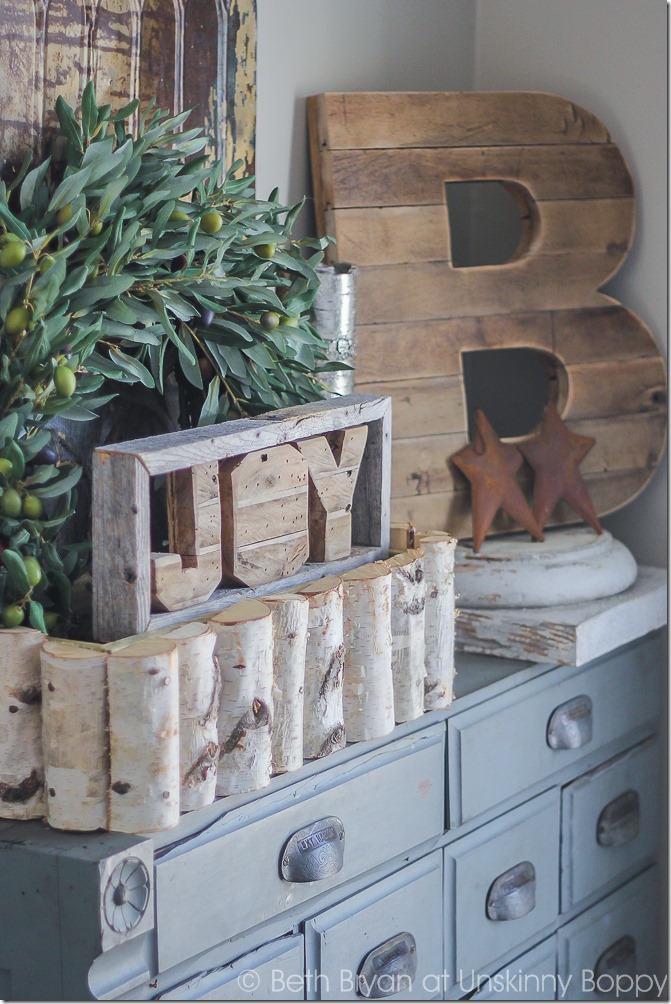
[389, 969]
[619, 959]
[570, 724]
[315, 852]
[513, 894]
[619, 821]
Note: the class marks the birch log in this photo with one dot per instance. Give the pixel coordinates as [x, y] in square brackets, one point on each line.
[199, 697]
[142, 682]
[438, 550]
[244, 650]
[74, 735]
[323, 726]
[21, 764]
[407, 634]
[368, 690]
[290, 629]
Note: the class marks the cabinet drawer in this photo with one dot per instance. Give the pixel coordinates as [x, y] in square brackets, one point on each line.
[610, 951]
[383, 942]
[287, 848]
[273, 972]
[504, 746]
[609, 822]
[531, 977]
[502, 881]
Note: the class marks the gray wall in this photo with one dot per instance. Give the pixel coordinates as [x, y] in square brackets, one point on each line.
[608, 55]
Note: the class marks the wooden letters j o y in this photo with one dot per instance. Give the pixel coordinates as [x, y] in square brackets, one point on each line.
[249, 502]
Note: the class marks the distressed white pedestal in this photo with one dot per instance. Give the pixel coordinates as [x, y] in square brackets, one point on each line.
[571, 634]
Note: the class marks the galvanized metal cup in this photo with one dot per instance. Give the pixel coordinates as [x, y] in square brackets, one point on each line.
[334, 311]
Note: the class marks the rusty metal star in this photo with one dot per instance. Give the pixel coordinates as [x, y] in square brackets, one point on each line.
[491, 466]
[554, 455]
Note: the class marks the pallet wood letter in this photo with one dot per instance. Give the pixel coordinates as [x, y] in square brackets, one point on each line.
[267, 535]
[265, 504]
[334, 462]
[21, 762]
[193, 568]
[380, 165]
[74, 733]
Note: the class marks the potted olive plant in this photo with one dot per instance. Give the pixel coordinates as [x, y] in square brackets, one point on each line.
[131, 263]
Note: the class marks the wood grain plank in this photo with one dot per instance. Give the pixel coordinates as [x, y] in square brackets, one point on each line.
[396, 351]
[591, 335]
[436, 290]
[623, 442]
[21, 79]
[434, 118]
[66, 56]
[121, 546]
[422, 407]
[399, 177]
[599, 390]
[161, 44]
[421, 466]
[115, 52]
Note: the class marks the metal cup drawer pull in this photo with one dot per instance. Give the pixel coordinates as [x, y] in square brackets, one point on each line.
[513, 894]
[570, 724]
[389, 969]
[315, 852]
[619, 959]
[619, 821]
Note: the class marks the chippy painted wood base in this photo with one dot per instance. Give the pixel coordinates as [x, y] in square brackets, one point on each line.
[572, 634]
[572, 565]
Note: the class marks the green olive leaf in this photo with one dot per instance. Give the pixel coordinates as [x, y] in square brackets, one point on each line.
[13, 562]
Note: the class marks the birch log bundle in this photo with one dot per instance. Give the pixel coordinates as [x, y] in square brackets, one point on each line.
[142, 681]
[244, 651]
[199, 697]
[368, 689]
[21, 762]
[74, 735]
[408, 589]
[290, 631]
[323, 724]
[438, 551]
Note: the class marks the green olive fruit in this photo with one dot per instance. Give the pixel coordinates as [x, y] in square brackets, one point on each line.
[211, 222]
[50, 619]
[6, 467]
[178, 216]
[95, 227]
[10, 503]
[32, 507]
[265, 250]
[289, 321]
[46, 262]
[12, 254]
[64, 215]
[33, 570]
[12, 615]
[17, 320]
[7, 238]
[269, 320]
[65, 381]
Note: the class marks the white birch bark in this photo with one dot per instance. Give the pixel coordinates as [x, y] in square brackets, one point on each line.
[290, 629]
[21, 763]
[244, 651]
[142, 681]
[323, 725]
[438, 551]
[74, 735]
[407, 634]
[368, 690]
[199, 698]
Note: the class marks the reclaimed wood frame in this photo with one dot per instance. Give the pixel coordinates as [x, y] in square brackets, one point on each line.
[121, 510]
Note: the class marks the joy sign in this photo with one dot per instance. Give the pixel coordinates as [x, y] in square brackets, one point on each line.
[249, 503]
